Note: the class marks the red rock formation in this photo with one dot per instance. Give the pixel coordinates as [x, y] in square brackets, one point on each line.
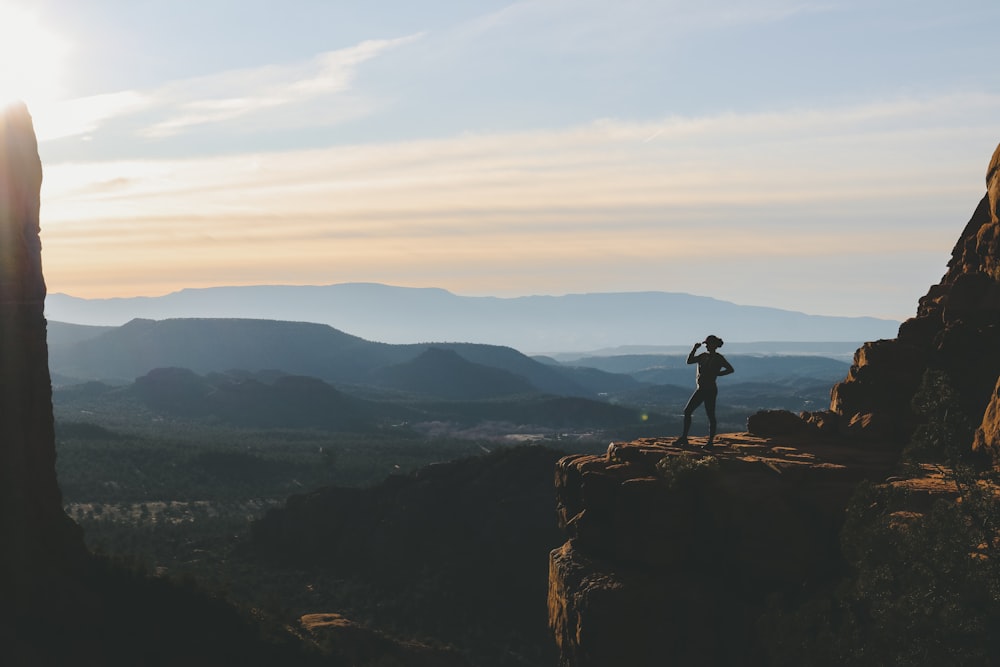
[676, 571]
[987, 438]
[36, 534]
[956, 330]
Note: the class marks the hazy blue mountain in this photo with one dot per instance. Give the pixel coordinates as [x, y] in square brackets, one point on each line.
[533, 324]
[541, 376]
[287, 402]
[599, 381]
[62, 333]
[204, 346]
[674, 369]
[207, 345]
[839, 350]
[446, 374]
[269, 401]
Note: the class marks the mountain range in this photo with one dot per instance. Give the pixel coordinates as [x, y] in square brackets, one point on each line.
[121, 354]
[532, 324]
[269, 374]
[465, 371]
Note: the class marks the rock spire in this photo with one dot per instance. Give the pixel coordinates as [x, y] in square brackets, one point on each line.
[35, 533]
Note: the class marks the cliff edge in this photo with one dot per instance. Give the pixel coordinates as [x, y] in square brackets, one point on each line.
[674, 555]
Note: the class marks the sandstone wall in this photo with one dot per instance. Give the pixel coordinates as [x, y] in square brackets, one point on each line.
[956, 330]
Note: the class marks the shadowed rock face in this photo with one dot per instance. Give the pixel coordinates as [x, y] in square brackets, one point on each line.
[35, 534]
[956, 330]
[675, 569]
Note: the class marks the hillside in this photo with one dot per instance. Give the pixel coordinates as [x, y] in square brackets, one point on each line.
[445, 374]
[533, 324]
[273, 400]
[286, 402]
[456, 551]
[299, 348]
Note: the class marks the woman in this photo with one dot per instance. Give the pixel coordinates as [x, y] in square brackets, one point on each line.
[711, 365]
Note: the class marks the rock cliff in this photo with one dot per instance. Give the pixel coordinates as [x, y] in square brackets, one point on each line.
[673, 555]
[38, 538]
[956, 330]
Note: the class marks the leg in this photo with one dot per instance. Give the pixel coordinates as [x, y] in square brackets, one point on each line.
[693, 402]
[710, 396]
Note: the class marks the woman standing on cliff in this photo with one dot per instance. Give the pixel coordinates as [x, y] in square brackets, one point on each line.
[711, 365]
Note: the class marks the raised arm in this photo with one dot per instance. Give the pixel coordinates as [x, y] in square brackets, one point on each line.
[691, 354]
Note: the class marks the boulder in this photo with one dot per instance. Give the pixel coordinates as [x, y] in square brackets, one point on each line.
[825, 422]
[775, 422]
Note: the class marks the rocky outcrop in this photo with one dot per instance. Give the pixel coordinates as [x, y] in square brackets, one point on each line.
[777, 422]
[956, 330]
[37, 537]
[673, 553]
[987, 437]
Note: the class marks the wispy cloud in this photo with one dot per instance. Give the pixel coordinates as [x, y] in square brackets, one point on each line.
[230, 95]
[83, 115]
[180, 106]
[596, 25]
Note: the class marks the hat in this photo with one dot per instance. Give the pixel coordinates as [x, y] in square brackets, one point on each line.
[715, 340]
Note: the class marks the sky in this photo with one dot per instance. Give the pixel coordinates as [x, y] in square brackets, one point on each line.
[814, 156]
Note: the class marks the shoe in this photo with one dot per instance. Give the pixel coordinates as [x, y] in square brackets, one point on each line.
[681, 442]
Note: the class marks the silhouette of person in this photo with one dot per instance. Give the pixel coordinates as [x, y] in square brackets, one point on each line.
[711, 365]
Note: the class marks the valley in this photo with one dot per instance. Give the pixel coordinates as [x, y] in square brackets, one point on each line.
[268, 487]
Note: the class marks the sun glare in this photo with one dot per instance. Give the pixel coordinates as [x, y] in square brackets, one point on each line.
[32, 58]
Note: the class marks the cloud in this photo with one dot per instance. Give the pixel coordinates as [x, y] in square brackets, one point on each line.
[721, 205]
[180, 106]
[84, 115]
[231, 95]
[599, 26]
[796, 158]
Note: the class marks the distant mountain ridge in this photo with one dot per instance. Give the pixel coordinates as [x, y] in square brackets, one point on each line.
[235, 371]
[203, 346]
[532, 324]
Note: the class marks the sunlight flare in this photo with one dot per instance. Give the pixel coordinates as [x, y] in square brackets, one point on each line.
[32, 58]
